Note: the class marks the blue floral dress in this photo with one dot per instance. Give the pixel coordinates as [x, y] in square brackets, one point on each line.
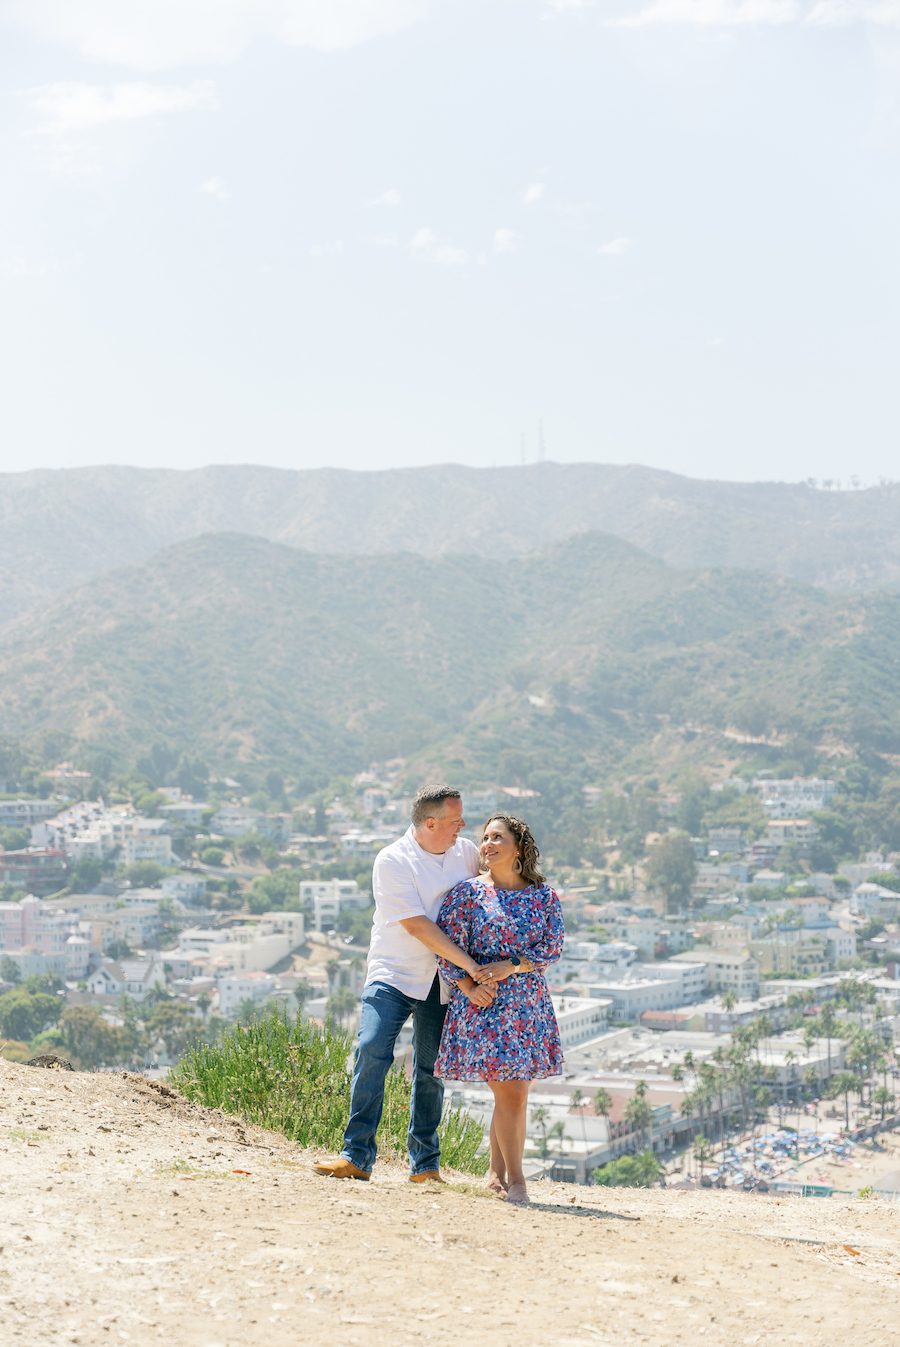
[516, 1038]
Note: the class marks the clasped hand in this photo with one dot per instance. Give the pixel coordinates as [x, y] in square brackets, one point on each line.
[493, 972]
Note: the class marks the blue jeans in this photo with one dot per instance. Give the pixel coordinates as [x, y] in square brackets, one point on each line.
[384, 1012]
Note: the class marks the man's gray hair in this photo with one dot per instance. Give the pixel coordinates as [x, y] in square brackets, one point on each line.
[430, 800]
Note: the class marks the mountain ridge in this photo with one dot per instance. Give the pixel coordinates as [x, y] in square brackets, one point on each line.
[251, 651]
[61, 526]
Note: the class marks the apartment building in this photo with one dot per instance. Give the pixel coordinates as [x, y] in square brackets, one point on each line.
[727, 971]
[329, 898]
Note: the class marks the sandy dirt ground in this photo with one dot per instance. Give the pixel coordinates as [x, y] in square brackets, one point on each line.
[130, 1216]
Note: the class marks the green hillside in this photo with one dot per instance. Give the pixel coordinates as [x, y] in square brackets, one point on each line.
[241, 651]
[62, 527]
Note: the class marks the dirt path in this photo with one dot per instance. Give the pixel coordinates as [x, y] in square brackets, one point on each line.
[125, 1218]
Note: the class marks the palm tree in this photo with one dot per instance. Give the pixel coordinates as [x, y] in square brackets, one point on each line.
[688, 1060]
[884, 1099]
[640, 1115]
[764, 1029]
[539, 1116]
[843, 1083]
[828, 1024]
[558, 1133]
[713, 1084]
[602, 1103]
[729, 1001]
[703, 1153]
[811, 1088]
[577, 1103]
[340, 1006]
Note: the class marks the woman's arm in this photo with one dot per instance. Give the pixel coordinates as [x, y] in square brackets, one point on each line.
[548, 947]
[453, 926]
[536, 957]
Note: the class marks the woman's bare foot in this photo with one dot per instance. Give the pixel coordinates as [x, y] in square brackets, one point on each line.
[495, 1183]
[517, 1194]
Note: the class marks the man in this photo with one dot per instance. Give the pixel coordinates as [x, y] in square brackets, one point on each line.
[410, 879]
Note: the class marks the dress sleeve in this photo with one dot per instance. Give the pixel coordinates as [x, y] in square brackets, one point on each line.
[548, 947]
[454, 921]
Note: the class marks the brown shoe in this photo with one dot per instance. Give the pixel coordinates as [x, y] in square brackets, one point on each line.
[341, 1168]
[432, 1174]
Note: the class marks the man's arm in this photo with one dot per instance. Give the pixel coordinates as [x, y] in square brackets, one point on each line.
[434, 939]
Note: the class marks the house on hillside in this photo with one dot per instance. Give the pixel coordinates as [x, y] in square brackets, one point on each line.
[128, 977]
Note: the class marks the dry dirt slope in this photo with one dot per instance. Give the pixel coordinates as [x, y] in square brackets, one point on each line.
[126, 1217]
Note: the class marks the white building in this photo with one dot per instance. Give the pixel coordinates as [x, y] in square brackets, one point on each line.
[184, 887]
[645, 933]
[585, 961]
[690, 977]
[235, 989]
[727, 971]
[235, 821]
[185, 814]
[128, 977]
[329, 898]
[631, 996]
[874, 900]
[247, 948]
[91, 831]
[26, 813]
[356, 844]
[797, 796]
[147, 844]
[580, 1018]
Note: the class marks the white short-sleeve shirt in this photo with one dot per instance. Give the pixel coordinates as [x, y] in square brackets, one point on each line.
[408, 881]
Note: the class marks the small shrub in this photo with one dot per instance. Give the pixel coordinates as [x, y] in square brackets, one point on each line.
[630, 1171]
[294, 1078]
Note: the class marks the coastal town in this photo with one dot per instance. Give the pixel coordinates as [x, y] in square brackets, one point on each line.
[745, 1037]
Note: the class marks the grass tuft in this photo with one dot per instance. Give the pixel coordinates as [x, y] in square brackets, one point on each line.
[293, 1077]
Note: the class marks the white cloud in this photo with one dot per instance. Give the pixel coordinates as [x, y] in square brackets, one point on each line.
[564, 6]
[505, 240]
[832, 13]
[839, 13]
[160, 34]
[333, 249]
[26, 269]
[725, 14]
[615, 247]
[426, 244]
[712, 13]
[71, 106]
[215, 188]
[533, 193]
[390, 197]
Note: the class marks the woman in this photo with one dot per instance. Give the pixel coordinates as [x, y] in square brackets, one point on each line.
[509, 919]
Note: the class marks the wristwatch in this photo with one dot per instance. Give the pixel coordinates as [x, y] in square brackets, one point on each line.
[515, 961]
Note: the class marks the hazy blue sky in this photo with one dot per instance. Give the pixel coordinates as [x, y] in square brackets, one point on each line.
[374, 233]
